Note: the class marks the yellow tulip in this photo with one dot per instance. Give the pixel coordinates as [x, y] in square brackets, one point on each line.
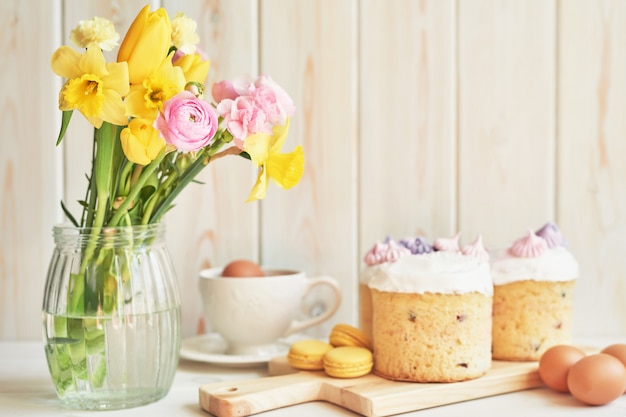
[146, 43]
[141, 141]
[93, 87]
[285, 169]
[194, 67]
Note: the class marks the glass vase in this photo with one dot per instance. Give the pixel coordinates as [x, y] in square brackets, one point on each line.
[111, 316]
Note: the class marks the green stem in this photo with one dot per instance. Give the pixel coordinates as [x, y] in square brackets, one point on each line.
[102, 175]
[161, 190]
[203, 159]
[208, 155]
[145, 219]
[105, 139]
[91, 196]
[134, 192]
[190, 173]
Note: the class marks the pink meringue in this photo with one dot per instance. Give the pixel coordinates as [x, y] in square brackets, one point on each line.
[551, 233]
[448, 244]
[476, 250]
[530, 246]
[388, 251]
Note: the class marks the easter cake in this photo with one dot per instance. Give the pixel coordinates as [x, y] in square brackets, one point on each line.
[431, 312]
[533, 290]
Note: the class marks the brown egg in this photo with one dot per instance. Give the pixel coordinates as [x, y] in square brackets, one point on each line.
[597, 379]
[555, 364]
[242, 268]
[617, 350]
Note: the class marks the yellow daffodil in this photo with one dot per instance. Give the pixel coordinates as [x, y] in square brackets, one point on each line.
[145, 100]
[146, 43]
[93, 87]
[285, 169]
[194, 67]
[141, 142]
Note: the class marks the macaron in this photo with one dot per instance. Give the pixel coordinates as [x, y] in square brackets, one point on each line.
[308, 354]
[348, 362]
[346, 335]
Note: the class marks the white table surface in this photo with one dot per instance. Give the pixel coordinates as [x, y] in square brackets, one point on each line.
[26, 390]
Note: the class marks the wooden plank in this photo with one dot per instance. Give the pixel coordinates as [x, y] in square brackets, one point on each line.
[224, 227]
[369, 395]
[407, 132]
[312, 53]
[592, 158]
[506, 118]
[29, 165]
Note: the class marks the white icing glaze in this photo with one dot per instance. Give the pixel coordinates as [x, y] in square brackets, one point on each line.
[556, 264]
[368, 272]
[435, 272]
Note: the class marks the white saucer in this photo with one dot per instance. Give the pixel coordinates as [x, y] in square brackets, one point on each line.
[211, 348]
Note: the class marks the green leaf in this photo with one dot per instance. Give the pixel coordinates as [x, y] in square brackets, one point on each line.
[65, 121]
[124, 178]
[69, 215]
[151, 185]
[245, 155]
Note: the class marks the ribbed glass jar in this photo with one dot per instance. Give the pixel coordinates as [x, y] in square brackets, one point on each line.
[111, 316]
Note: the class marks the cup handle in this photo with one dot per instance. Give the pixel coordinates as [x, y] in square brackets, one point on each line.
[298, 325]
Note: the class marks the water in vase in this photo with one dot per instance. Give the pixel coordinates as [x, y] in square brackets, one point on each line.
[112, 362]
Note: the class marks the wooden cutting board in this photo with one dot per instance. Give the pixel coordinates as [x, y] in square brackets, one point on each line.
[369, 395]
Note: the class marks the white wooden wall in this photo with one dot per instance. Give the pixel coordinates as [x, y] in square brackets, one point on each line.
[416, 116]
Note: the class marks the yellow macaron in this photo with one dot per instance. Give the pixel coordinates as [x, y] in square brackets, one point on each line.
[346, 335]
[308, 354]
[348, 362]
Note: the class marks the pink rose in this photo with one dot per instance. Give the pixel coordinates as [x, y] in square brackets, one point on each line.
[187, 122]
[250, 107]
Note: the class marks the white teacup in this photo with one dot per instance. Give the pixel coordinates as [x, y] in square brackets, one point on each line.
[251, 314]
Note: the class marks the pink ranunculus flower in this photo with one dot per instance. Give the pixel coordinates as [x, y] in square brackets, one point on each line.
[187, 122]
[252, 106]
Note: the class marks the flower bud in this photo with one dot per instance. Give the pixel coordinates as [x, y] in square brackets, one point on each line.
[141, 142]
[197, 89]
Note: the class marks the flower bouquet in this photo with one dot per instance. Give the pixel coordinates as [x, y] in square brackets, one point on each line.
[153, 133]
